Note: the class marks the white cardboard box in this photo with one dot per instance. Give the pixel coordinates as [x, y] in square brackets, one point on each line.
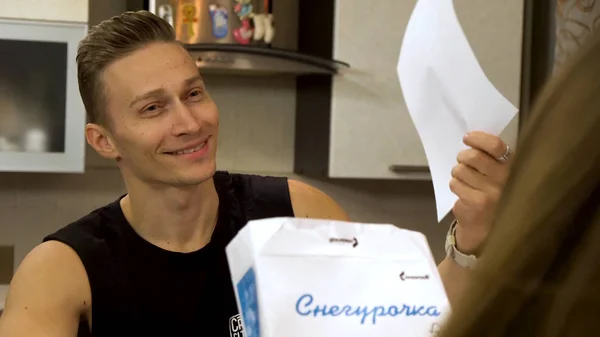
[301, 277]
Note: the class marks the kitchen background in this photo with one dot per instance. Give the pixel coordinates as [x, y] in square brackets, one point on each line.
[368, 38]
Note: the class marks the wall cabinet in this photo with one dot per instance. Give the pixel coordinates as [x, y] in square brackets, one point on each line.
[42, 116]
[47, 10]
[356, 124]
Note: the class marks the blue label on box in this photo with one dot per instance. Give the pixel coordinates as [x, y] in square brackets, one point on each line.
[246, 288]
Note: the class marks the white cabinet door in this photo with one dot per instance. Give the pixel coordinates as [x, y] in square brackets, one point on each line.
[48, 10]
[42, 117]
[371, 128]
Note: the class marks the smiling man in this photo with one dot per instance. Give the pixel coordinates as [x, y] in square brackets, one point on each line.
[153, 261]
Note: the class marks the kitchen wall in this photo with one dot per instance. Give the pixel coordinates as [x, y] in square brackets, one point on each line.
[257, 133]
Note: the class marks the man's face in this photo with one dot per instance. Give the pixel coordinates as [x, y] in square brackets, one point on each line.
[163, 123]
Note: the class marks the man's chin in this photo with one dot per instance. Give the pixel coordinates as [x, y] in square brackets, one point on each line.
[194, 177]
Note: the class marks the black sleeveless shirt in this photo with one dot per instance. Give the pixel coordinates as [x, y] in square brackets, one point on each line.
[139, 289]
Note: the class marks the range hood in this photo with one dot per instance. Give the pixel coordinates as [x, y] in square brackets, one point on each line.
[241, 36]
[258, 60]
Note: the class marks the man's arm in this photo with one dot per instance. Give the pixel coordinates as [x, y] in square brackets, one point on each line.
[48, 294]
[310, 202]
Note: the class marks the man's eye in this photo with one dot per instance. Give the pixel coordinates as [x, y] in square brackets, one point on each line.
[151, 109]
[195, 94]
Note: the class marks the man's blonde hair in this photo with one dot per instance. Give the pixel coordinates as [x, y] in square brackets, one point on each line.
[107, 42]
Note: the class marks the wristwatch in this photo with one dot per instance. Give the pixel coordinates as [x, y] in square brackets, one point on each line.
[463, 260]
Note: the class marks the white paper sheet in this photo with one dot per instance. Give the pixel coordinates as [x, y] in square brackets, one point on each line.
[446, 91]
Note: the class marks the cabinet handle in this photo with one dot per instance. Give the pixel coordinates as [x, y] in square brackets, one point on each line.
[409, 169]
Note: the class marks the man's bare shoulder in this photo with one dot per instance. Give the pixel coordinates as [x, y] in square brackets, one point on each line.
[48, 293]
[311, 202]
[54, 266]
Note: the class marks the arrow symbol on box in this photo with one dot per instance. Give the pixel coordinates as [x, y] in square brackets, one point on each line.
[355, 243]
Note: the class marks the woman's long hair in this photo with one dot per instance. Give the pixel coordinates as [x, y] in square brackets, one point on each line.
[539, 274]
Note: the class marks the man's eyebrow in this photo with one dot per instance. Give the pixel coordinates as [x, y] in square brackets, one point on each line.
[194, 79]
[161, 91]
[152, 93]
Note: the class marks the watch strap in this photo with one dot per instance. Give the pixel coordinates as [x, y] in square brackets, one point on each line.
[463, 260]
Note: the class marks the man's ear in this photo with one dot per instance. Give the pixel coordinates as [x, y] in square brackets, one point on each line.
[100, 139]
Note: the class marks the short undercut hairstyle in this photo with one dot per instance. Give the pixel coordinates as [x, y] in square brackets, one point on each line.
[107, 42]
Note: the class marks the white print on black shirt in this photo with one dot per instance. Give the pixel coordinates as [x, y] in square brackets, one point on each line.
[236, 329]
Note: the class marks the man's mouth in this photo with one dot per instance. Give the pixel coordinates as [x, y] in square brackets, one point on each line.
[190, 150]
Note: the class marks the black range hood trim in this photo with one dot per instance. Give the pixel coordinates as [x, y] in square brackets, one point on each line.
[307, 64]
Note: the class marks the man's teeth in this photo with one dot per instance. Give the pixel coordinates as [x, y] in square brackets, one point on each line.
[197, 148]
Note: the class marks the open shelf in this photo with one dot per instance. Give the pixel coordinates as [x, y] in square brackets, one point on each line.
[260, 60]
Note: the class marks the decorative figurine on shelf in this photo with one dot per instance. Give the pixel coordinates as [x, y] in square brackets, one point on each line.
[165, 12]
[220, 18]
[189, 18]
[263, 27]
[269, 24]
[244, 33]
[244, 11]
[259, 27]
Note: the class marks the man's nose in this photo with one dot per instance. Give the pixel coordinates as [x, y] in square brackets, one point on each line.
[183, 120]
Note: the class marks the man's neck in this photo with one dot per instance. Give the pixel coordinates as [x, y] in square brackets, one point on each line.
[173, 218]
